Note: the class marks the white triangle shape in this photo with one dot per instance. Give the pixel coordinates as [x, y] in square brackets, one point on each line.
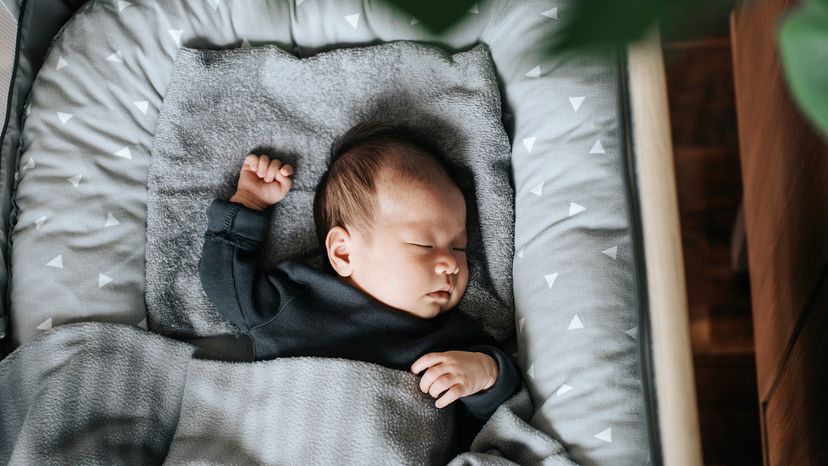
[75, 180]
[521, 323]
[605, 435]
[116, 57]
[611, 252]
[632, 333]
[245, 43]
[562, 389]
[176, 35]
[39, 222]
[550, 279]
[534, 72]
[57, 262]
[576, 102]
[597, 148]
[214, 4]
[124, 153]
[553, 13]
[414, 21]
[143, 323]
[122, 4]
[538, 189]
[29, 164]
[529, 143]
[531, 370]
[520, 253]
[45, 325]
[103, 280]
[142, 105]
[575, 323]
[111, 221]
[474, 9]
[575, 208]
[353, 20]
[64, 117]
[61, 63]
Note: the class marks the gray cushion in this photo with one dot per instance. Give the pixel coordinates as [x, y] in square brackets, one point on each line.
[109, 70]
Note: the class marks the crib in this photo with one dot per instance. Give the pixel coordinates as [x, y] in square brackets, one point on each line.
[633, 133]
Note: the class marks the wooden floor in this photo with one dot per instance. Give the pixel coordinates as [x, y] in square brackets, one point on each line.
[705, 143]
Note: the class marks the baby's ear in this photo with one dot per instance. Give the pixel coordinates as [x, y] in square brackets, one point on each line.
[338, 248]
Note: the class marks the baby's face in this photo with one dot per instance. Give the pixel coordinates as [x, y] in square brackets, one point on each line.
[416, 260]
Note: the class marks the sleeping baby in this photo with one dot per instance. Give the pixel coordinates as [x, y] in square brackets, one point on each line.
[393, 224]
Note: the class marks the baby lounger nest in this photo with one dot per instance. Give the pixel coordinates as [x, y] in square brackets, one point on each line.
[81, 197]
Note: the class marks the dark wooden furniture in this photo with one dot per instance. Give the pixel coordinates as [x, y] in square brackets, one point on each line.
[785, 181]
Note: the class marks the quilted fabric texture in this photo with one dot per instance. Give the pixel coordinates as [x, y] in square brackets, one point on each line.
[80, 205]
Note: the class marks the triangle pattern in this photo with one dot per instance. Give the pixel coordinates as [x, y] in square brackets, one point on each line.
[553, 13]
[520, 253]
[143, 323]
[111, 221]
[576, 102]
[353, 20]
[122, 4]
[39, 222]
[562, 389]
[64, 117]
[245, 44]
[550, 279]
[611, 252]
[75, 180]
[124, 153]
[575, 323]
[116, 57]
[632, 333]
[597, 148]
[575, 208]
[521, 323]
[57, 262]
[474, 9]
[142, 105]
[45, 325]
[531, 370]
[29, 164]
[538, 189]
[529, 143]
[214, 4]
[176, 35]
[605, 435]
[534, 72]
[103, 280]
[61, 64]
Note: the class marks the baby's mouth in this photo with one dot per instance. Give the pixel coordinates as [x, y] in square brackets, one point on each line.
[442, 295]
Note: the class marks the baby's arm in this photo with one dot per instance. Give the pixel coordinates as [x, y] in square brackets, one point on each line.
[483, 377]
[228, 267]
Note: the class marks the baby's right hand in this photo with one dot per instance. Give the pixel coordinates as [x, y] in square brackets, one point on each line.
[263, 181]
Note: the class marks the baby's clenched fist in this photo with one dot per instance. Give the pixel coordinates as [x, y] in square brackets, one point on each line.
[455, 374]
[262, 182]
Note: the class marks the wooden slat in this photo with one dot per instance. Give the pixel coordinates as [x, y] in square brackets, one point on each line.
[675, 392]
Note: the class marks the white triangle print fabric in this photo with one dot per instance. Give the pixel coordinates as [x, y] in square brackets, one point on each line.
[39, 222]
[475, 10]
[116, 57]
[215, 4]
[575, 208]
[605, 435]
[57, 262]
[550, 279]
[534, 72]
[551, 13]
[529, 143]
[537, 190]
[124, 153]
[75, 180]
[597, 148]
[103, 280]
[45, 325]
[122, 4]
[563, 389]
[176, 35]
[611, 252]
[353, 20]
[111, 221]
[64, 117]
[142, 105]
[521, 323]
[575, 323]
[576, 102]
[61, 64]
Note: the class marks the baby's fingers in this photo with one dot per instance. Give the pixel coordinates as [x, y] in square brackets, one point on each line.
[251, 162]
[272, 170]
[452, 395]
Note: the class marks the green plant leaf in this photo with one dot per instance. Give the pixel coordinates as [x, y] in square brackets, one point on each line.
[803, 47]
[435, 15]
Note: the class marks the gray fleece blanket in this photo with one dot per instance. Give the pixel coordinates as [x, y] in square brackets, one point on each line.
[221, 105]
[99, 393]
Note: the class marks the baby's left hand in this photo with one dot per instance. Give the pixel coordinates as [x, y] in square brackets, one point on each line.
[458, 373]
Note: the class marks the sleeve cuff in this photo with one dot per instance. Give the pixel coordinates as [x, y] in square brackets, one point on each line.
[236, 219]
[484, 403]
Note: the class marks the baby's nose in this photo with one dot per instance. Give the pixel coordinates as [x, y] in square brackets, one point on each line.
[447, 266]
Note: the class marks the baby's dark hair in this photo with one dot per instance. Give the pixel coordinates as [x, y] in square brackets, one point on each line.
[346, 194]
